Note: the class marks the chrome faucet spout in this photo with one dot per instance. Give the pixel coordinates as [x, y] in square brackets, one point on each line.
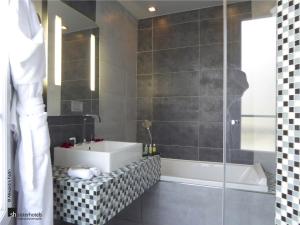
[94, 116]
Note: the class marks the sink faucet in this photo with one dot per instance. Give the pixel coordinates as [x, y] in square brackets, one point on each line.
[96, 117]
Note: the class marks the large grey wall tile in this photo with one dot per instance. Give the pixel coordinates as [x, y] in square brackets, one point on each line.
[234, 55]
[176, 60]
[179, 133]
[211, 135]
[145, 23]
[211, 82]
[144, 108]
[76, 70]
[144, 86]
[211, 109]
[211, 13]
[176, 18]
[75, 49]
[211, 31]
[178, 152]
[211, 154]
[76, 90]
[176, 84]
[239, 156]
[239, 8]
[211, 56]
[144, 63]
[145, 39]
[174, 36]
[176, 109]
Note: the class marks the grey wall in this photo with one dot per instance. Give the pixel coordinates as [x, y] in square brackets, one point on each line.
[118, 44]
[164, 204]
[180, 78]
[76, 73]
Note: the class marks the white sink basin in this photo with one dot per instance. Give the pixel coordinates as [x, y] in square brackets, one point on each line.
[106, 155]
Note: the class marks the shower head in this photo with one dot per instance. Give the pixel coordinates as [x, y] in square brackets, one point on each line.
[147, 124]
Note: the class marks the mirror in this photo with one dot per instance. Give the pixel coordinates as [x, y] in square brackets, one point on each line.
[73, 68]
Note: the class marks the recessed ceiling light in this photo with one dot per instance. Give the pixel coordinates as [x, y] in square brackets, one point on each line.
[64, 27]
[152, 9]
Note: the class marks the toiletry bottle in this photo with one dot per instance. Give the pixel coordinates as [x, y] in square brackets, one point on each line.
[154, 150]
[150, 150]
[145, 152]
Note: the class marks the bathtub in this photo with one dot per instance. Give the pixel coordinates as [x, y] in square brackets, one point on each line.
[241, 177]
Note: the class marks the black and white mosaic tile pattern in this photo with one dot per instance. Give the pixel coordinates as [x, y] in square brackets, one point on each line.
[96, 201]
[288, 107]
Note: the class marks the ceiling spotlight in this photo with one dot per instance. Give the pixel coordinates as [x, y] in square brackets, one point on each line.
[152, 9]
[64, 27]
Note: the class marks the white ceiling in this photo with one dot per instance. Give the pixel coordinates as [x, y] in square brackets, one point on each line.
[139, 8]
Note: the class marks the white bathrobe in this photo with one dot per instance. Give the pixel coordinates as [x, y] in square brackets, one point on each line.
[27, 69]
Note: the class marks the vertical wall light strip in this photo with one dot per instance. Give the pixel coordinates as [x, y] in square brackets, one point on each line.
[57, 50]
[92, 62]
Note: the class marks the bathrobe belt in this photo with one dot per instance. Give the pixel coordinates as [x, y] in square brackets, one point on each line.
[29, 119]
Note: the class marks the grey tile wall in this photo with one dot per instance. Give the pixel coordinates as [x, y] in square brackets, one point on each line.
[76, 73]
[61, 128]
[118, 68]
[180, 81]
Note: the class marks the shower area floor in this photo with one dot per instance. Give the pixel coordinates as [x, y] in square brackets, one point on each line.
[169, 203]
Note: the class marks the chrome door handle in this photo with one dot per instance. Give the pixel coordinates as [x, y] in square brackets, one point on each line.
[235, 122]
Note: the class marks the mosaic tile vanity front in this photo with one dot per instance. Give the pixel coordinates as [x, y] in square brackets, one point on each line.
[96, 201]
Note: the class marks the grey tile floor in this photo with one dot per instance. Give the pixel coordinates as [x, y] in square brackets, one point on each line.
[180, 204]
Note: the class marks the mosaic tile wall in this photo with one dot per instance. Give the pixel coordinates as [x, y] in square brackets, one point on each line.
[98, 200]
[288, 132]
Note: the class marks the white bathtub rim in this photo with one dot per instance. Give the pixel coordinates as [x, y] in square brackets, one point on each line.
[208, 162]
[215, 184]
[260, 187]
